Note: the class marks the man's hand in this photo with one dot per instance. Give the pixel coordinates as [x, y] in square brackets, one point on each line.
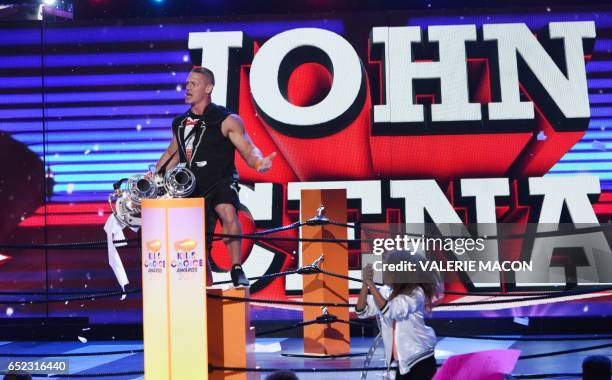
[264, 164]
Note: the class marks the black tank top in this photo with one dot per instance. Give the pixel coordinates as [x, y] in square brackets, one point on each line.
[204, 149]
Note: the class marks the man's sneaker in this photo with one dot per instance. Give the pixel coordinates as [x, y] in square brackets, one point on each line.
[239, 279]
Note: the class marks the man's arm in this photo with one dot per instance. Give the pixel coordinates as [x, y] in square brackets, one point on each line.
[169, 158]
[234, 129]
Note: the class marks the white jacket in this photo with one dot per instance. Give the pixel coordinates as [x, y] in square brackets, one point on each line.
[414, 341]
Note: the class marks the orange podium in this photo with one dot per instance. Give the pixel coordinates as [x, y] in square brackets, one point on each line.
[334, 338]
[231, 337]
[174, 289]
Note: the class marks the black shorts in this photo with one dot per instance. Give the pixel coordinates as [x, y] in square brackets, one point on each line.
[223, 191]
[423, 370]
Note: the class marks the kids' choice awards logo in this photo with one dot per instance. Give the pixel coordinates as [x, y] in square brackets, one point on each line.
[186, 258]
[154, 262]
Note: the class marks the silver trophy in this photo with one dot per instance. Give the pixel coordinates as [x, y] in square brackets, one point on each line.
[179, 182]
[125, 200]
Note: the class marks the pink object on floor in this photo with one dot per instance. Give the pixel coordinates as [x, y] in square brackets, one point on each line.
[482, 365]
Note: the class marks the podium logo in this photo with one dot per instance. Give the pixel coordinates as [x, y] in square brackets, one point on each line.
[153, 262]
[154, 245]
[186, 258]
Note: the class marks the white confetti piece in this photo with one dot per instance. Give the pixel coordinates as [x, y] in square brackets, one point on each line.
[521, 320]
[9, 311]
[541, 136]
[82, 339]
[273, 347]
[598, 145]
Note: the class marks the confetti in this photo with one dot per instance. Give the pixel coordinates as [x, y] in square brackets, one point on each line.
[598, 145]
[87, 152]
[185, 58]
[123, 296]
[9, 311]
[138, 127]
[82, 339]
[70, 188]
[179, 87]
[541, 136]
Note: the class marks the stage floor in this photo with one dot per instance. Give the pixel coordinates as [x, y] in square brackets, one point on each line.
[269, 350]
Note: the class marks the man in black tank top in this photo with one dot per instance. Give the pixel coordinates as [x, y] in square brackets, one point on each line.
[205, 139]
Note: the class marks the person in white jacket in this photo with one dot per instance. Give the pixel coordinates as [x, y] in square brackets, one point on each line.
[400, 306]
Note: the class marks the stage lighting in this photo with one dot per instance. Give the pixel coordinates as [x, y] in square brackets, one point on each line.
[49, 3]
